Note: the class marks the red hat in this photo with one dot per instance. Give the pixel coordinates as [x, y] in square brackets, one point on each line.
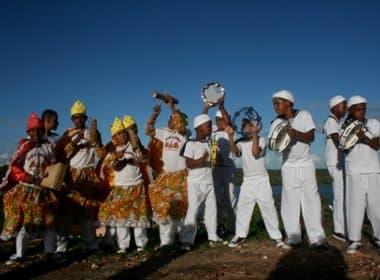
[34, 121]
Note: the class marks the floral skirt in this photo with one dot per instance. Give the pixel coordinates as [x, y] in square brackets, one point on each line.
[84, 194]
[168, 196]
[125, 206]
[35, 208]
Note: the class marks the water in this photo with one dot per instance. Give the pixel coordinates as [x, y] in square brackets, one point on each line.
[324, 190]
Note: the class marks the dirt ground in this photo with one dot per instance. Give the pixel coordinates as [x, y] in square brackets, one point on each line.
[256, 259]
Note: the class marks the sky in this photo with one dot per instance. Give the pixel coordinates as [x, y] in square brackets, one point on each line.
[112, 55]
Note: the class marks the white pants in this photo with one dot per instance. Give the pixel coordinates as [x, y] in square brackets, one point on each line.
[363, 194]
[300, 191]
[64, 228]
[251, 191]
[168, 229]
[198, 194]
[122, 235]
[338, 202]
[226, 194]
[49, 237]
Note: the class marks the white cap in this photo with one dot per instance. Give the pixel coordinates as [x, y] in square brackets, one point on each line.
[284, 94]
[201, 119]
[336, 100]
[357, 99]
[218, 114]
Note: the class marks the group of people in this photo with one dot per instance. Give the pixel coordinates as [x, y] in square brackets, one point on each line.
[178, 180]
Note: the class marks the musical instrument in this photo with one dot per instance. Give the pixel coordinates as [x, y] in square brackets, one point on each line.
[164, 97]
[246, 114]
[54, 175]
[279, 138]
[348, 137]
[212, 92]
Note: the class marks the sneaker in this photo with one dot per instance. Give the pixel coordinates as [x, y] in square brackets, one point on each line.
[14, 259]
[320, 245]
[353, 248]
[217, 242]
[281, 244]
[121, 251]
[185, 247]
[236, 241]
[339, 236]
[140, 249]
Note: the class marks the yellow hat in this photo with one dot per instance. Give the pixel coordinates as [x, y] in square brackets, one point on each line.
[117, 126]
[128, 121]
[78, 108]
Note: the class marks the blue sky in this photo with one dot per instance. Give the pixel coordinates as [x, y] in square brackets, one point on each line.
[112, 54]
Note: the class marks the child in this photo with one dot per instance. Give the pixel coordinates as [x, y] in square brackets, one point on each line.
[50, 120]
[335, 162]
[223, 171]
[200, 184]
[299, 184]
[30, 208]
[168, 193]
[255, 187]
[80, 200]
[363, 176]
[126, 205]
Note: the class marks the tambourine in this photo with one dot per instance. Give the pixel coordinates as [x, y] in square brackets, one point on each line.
[246, 114]
[279, 138]
[212, 92]
[348, 137]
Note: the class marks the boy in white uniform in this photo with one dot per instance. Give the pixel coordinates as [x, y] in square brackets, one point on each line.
[363, 176]
[200, 184]
[335, 162]
[255, 187]
[299, 182]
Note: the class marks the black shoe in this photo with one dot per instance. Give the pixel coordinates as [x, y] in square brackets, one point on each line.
[320, 245]
[339, 236]
[221, 231]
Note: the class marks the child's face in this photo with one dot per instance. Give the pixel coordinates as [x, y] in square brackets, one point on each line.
[204, 130]
[120, 138]
[247, 128]
[220, 123]
[358, 111]
[50, 123]
[281, 106]
[36, 134]
[79, 120]
[340, 109]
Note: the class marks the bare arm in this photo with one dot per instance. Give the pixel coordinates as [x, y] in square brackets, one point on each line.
[373, 143]
[305, 137]
[199, 162]
[233, 147]
[149, 128]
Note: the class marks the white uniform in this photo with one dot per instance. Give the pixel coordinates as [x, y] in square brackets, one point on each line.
[84, 158]
[200, 190]
[224, 178]
[363, 182]
[335, 164]
[173, 161]
[300, 188]
[255, 188]
[127, 177]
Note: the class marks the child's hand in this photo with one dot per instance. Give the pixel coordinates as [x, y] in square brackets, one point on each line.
[292, 133]
[205, 156]
[229, 130]
[360, 134]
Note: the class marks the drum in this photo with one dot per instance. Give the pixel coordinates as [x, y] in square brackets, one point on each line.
[348, 137]
[279, 138]
[54, 175]
[212, 92]
[246, 114]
